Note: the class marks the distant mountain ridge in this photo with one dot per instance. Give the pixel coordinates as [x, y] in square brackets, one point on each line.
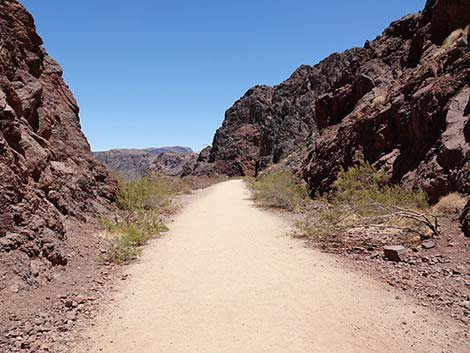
[131, 163]
[150, 150]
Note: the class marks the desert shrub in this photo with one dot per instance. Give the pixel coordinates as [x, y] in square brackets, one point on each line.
[363, 199]
[450, 204]
[200, 182]
[144, 193]
[363, 185]
[280, 189]
[180, 186]
[176, 185]
[126, 238]
[141, 201]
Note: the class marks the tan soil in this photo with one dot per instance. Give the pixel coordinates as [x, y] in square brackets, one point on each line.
[226, 278]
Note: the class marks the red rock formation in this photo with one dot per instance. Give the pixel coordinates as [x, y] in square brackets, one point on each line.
[401, 102]
[47, 172]
[414, 121]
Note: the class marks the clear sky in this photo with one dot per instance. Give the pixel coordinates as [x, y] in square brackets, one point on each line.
[154, 73]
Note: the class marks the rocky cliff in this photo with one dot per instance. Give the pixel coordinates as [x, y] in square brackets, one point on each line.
[401, 102]
[413, 117]
[47, 172]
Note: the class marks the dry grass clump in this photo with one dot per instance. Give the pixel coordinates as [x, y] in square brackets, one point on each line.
[378, 100]
[460, 32]
[450, 204]
[451, 39]
[363, 200]
[279, 189]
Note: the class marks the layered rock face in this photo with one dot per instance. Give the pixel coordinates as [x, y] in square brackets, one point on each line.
[401, 102]
[47, 172]
[414, 118]
[167, 161]
[268, 125]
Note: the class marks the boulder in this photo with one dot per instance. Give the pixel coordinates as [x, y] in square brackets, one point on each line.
[395, 253]
[428, 244]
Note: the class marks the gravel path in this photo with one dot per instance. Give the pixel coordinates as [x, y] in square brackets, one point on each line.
[226, 278]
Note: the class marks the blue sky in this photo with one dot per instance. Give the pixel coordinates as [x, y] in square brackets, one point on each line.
[153, 73]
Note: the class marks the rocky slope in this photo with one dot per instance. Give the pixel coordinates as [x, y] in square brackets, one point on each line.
[48, 175]
[401, 102]
[172, 164]
[131, 163]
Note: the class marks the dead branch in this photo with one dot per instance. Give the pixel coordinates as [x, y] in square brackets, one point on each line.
[429, 220]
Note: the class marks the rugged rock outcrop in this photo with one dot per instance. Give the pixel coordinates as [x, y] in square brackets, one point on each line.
[47, 172]
[465, 220]
[131, 163]
[267, 125]
[413, 120]
[125, 163]
[172, 164]
[401, 102]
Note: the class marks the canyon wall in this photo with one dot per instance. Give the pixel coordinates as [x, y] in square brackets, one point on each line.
[47, 172]
[400, 102]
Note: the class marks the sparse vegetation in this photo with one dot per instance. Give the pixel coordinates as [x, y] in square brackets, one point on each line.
[460, 32]
[363, 185]
[451, 204]
[363, 199]
[145, 193]
[127, 238]
[141, 201]
[451, 39]
[279, 189]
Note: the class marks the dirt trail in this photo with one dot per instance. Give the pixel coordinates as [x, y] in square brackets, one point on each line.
[226, 278]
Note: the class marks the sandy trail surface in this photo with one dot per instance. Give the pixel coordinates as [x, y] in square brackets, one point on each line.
[227, 278]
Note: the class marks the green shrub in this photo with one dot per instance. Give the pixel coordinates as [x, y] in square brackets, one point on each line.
[127, 238]
[279, 189]
[145, 193]
[363, 185]
[141, 201]
[362, 199]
